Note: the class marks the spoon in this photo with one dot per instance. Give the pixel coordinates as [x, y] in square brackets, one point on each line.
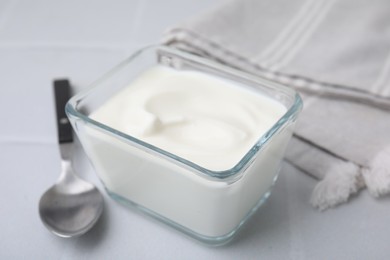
[71, 206]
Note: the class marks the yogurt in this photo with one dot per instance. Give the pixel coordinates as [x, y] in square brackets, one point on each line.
[203, 119]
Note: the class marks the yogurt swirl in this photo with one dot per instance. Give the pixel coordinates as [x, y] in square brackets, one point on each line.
[201, 118]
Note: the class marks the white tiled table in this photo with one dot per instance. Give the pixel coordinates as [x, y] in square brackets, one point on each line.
[41, 40]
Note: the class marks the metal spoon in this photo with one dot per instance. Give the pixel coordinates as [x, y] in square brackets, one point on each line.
[72, 206]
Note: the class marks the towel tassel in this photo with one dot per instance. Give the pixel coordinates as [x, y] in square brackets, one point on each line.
[377, 175]
[340, 182]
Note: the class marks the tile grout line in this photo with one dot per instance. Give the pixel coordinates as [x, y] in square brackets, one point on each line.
[65, 46]
[10, 140]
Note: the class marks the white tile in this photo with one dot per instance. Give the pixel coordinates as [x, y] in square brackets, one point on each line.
[6, 9]
[116, 23]
[71, 21]
[156, 16]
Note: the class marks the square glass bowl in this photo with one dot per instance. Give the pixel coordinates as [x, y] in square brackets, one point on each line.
[207, 205]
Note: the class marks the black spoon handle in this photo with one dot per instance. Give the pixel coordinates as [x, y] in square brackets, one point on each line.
[62, 95]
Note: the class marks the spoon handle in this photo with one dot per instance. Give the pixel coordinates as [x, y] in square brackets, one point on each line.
[62, 95]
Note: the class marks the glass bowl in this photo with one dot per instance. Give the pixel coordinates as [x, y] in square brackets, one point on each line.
[205, 204]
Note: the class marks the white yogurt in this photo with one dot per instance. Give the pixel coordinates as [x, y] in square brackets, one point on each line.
[206, 120]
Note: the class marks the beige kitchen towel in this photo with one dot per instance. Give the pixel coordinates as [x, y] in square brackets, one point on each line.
[336, 53]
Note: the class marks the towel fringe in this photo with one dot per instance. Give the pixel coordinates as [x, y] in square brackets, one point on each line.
[340, 182]
[377, 175]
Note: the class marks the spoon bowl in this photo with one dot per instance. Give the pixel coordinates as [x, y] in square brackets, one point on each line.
[72, 206]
